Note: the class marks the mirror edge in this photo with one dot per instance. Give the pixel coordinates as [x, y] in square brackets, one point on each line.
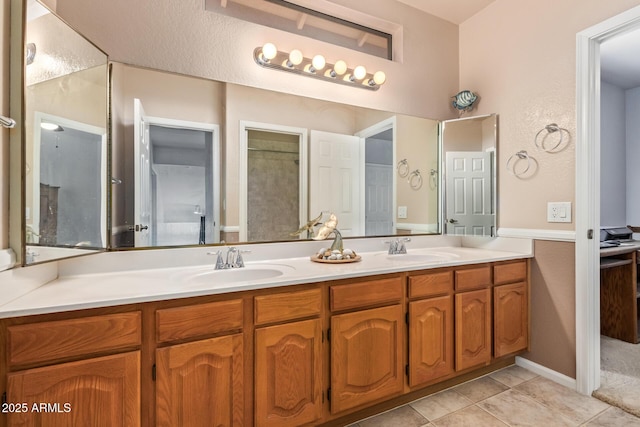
[17, 157]
[17, 134]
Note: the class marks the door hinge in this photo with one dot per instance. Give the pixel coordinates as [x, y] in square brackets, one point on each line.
[329, 334]
[590, 233]
[329, 394]
[406, 318]
[4, 397]
[153, 372]
[406, 370]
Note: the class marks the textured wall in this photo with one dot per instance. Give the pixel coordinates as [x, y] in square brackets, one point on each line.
[520, 56]
[183, 37]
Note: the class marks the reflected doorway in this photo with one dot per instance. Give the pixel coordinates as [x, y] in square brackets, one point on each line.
[273, 176]
[68, 174]
[177, 181]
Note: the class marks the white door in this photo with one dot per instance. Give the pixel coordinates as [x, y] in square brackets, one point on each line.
[378, 200]
[142, 176]
[469, 207]
[334, 179]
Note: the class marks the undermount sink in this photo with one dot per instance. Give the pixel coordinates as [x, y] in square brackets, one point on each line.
[218, 278]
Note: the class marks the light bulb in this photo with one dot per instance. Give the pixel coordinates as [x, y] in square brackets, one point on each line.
[269, 51]
[318, 62]
[379, 77]
[340, 67]
[359, 72]
[295, 57]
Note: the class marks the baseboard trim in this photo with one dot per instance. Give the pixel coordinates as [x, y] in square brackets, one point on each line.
[529, 233]
[547, 373]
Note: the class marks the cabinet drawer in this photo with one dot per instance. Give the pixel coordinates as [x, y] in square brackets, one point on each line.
[509, 273]
[426, 285]
[46, 341]
[198, 320]
[473, 278]
[287, 306]
[365, 294]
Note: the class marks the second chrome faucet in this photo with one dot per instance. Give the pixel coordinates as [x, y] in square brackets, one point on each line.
[232, 259]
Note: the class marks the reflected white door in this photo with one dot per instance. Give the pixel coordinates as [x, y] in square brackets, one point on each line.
[469, 207]
[142, 176]
[378, 200]
[334, 179]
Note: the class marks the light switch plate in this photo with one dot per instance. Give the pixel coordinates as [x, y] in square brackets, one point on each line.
[402, 212]
[559, 212]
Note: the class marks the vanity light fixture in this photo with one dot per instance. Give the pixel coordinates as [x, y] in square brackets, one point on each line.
[269, 56]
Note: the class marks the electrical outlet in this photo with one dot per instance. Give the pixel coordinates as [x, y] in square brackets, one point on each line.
[402, 212]
[559, 212]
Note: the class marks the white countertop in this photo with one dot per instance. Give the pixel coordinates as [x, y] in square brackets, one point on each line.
[112, 278]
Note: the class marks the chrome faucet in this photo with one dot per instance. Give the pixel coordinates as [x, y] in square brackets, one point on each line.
[397, 246]
[232, 259]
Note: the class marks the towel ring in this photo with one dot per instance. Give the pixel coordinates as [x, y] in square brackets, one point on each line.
[415, 180]
[520, 155]
[550, 129]
[403, 168]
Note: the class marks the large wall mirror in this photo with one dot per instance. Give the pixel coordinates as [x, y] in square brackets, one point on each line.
[65, 130]
[197, 161]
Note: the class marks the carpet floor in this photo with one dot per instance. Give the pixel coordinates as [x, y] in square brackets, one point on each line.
[620, 374]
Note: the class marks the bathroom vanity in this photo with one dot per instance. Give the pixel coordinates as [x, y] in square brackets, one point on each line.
[316, 345]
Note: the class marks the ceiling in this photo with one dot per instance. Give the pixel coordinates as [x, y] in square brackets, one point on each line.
[456, 11]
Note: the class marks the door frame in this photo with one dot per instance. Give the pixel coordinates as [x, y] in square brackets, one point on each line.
[243, 170]
[215, 140]
[390, 123]
[588, 193]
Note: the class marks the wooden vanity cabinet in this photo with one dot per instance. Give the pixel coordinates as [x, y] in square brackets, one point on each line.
[367, 357]
[200, 383]
[510, 308]
[288, 359]
[430, 326]
[473, 332]
[73, 378]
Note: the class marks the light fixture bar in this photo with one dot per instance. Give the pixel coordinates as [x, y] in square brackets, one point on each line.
[268, 56]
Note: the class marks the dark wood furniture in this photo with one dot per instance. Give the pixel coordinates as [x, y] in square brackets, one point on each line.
[619, 292]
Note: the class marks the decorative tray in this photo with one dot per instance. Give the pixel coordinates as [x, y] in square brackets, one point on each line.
[315, 258]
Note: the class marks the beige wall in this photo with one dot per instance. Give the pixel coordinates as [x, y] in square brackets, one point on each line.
[4, 133]
[520, 57]
[182, 37]
[553, 326]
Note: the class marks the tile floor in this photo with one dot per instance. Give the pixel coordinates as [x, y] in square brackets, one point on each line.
[512, 396]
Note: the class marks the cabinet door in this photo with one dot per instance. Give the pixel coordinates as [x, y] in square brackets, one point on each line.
[511, 318]
[366, 356]
[430, 339]
[289, 374]
[103, 391]
[473, 328]
[200, 383]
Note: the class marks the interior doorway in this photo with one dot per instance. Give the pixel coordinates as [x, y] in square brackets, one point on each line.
[177, 181]
[588, 178]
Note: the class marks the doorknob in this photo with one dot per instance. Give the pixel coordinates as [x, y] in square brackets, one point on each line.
[453, 221]
[140, 227]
